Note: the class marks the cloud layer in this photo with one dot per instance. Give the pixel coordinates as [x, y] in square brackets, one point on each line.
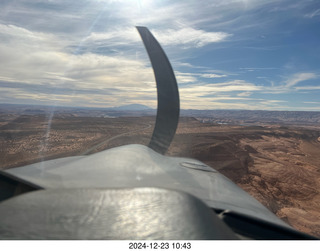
[225, 54]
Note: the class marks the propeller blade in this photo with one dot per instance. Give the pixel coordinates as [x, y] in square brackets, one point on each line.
[167, 91]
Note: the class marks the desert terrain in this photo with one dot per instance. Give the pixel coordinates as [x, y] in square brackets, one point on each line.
[275, 160]
[279, 166]
[32, 138]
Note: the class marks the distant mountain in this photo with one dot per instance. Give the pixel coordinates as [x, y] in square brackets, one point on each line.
[131, 107]
[254, 117]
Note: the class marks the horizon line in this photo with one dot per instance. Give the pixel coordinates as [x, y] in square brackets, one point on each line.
[150, 108]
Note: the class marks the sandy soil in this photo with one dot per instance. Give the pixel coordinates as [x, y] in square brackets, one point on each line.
[279, 166]
[32, 138]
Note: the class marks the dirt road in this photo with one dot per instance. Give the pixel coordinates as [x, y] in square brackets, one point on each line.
[105, 142]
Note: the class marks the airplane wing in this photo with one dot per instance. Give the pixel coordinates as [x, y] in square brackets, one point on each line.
[134, 191]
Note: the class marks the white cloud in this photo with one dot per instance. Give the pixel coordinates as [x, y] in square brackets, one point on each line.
[234, 85]
[299, 77]
[310, 102]
[184, 64]
[211, 75]
[92, 46]
[117, 36]
[228, 102]
[202, 90]
[183, 78]
[216, 96]
[189, 37]
[310, 88]
[41, 61]
[313, 14]
[244, 94]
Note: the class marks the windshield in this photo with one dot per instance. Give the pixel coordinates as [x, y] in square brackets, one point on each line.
[75, 79]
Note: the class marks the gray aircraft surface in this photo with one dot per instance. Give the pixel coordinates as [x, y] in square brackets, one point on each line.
[134, 192]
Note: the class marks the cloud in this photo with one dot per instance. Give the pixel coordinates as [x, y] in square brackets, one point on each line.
[124, 36]
[185, 64]
[233, 94]
[43, 94]
[313, 14]
[212, 75]
[230, 102]
[299, 77]
[233, 85]
[199, 91]
[38, 65]
[244, 94]
[88, 52]
[311, 102]
[258, 68]
[310, 88]
[183, 77]
[189, 37]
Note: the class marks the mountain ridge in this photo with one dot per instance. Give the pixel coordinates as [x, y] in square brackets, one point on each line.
[130, 107]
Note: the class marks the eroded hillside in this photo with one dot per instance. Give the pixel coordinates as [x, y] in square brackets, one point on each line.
[279, 166]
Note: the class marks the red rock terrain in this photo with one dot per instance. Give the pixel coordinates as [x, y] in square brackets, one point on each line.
[278, 165]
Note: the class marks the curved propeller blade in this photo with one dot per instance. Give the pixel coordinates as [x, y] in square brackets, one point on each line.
[168, 94]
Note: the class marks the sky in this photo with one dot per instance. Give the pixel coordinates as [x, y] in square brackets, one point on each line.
[231, 54]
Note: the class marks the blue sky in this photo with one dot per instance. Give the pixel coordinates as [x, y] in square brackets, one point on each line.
[232, 54]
